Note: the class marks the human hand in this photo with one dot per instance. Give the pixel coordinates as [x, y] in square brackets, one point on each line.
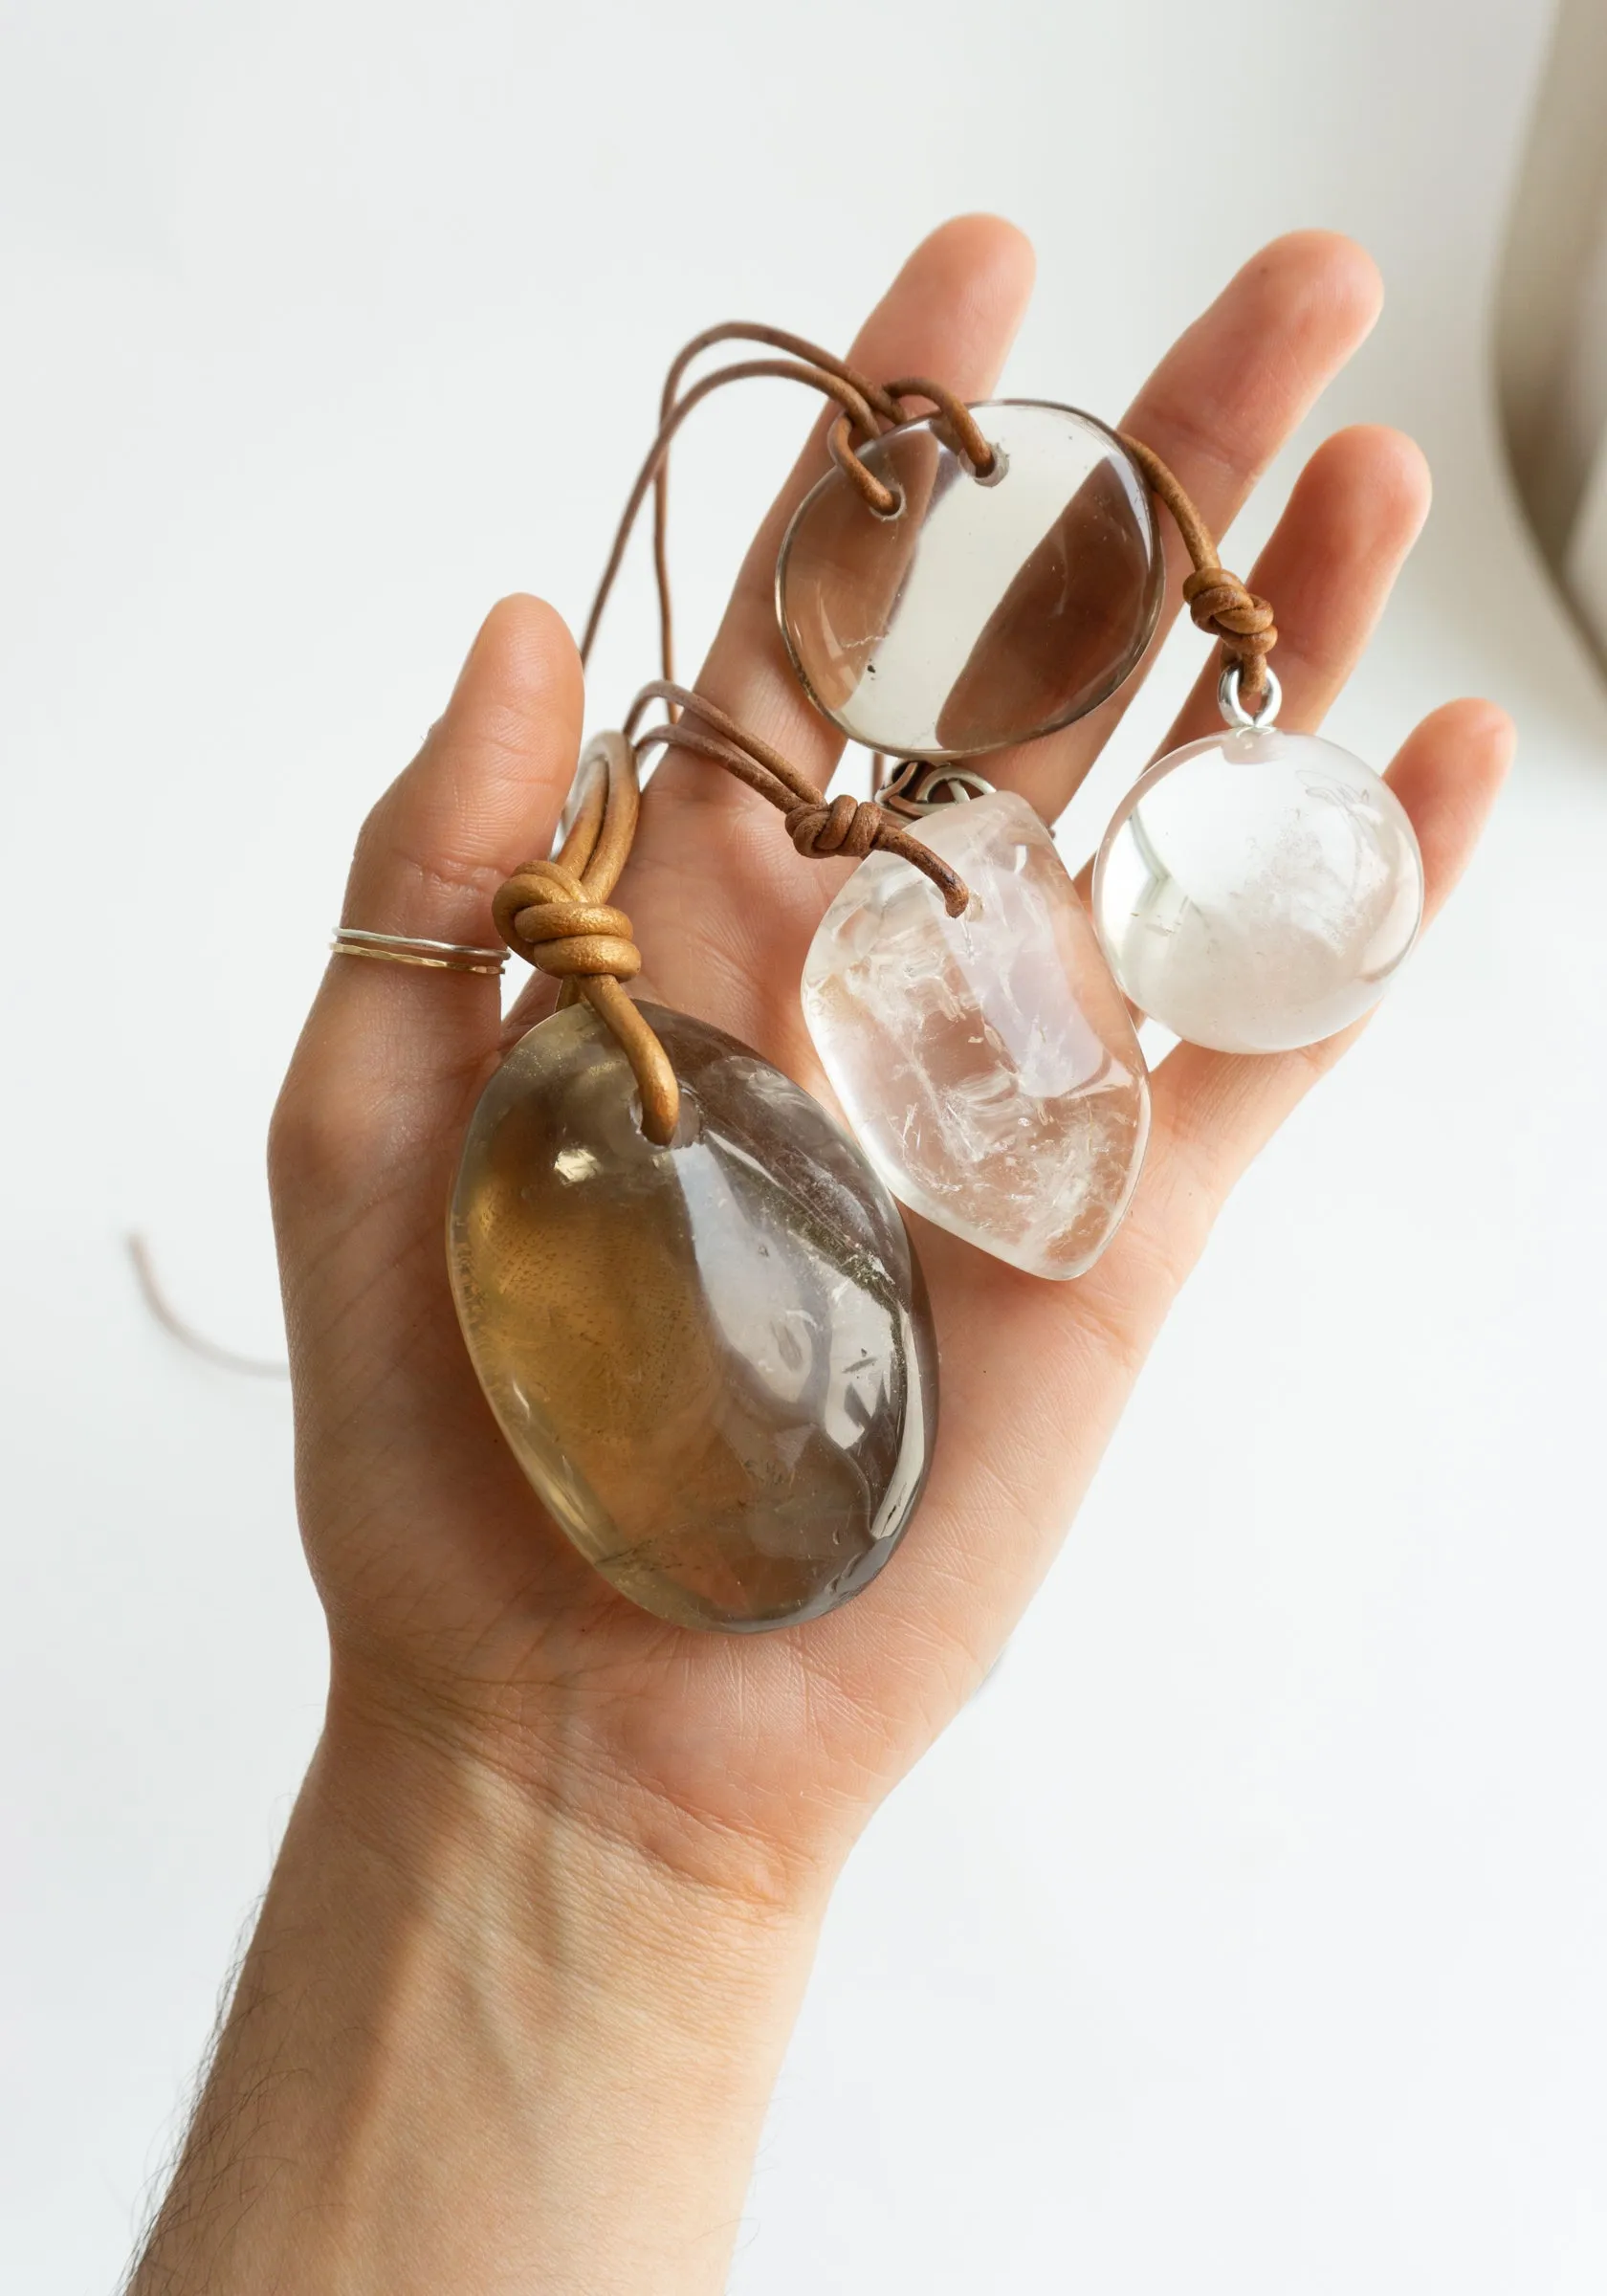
[459, 1616]
[534, 1942]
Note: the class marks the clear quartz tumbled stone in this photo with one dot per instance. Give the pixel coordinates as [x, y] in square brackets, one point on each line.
[1257, 890]
[986, 1063]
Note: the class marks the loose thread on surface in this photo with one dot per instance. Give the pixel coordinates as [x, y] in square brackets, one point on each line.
[226, 1359]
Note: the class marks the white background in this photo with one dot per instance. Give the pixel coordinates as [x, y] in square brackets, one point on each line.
[1250, 1933]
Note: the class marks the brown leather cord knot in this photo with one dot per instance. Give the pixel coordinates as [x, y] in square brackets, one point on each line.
[556, 915]
[544, 917]
[843, 824]
[1222, 606]
[1219, 601]
[820, 826]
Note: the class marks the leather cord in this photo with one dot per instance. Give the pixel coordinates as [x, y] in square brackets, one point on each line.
[732, 330]
[856, 415]
[555, 914]
[1217, 601]
[868, 409]
[820, 826]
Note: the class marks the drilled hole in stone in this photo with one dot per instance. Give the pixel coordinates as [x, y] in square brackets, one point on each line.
[689, 1122]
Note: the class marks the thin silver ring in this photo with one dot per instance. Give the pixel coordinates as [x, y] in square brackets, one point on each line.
[1233, 709]
[407, 948]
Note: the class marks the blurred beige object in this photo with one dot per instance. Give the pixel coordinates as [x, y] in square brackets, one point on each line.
[1585, 562]
[1551, 316]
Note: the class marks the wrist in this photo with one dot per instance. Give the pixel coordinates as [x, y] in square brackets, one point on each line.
[525, 1771]
[631, 2008]
[480, 2041]
[499, 1840]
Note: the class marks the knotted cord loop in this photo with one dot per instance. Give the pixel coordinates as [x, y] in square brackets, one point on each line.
[1222, 606]
[1219, 601]
[544, 917]
[885, 500]
[555, 914]
[820, 826]
[843, 824]
[776, 339]
[953, 413]
[866, 408]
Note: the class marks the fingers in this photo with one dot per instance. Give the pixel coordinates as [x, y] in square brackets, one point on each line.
[482, 795]
[1061, 1356]
[1213, 1111]
[1335, 556]
[1357, 509]
[485, 791]
[1448, 775]
[952, 311]
[1217, 410]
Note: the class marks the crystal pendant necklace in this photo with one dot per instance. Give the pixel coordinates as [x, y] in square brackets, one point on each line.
[1257, 891]
[987, 1063]
[693, 1307]
[688, 1294]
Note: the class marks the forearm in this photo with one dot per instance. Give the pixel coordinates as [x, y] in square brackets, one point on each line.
[475, 2047]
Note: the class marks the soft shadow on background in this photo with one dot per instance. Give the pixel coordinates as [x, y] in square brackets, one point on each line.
[1550, 316]
[1247, 1936]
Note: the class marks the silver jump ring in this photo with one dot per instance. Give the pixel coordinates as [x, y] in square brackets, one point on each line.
[405, 948]
[1232, 707]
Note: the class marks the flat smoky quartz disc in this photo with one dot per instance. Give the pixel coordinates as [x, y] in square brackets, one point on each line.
[982, 611]
[714, 1361]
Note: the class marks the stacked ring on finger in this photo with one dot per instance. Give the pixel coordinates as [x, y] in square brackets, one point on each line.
[403, 948]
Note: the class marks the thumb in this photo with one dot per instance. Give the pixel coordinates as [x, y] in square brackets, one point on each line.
[391, 1053]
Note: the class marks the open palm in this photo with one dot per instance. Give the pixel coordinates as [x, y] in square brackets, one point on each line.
[456, 1608]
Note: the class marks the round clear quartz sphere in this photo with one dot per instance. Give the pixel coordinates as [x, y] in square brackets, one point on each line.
[1257, 890]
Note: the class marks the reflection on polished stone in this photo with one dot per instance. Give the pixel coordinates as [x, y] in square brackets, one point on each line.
[986, 1063]
[985, 612]
[1258, 890]
[714, 1361]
